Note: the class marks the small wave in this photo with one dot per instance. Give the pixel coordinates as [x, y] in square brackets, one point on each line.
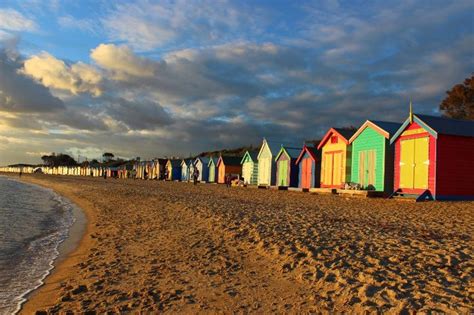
[38, 257]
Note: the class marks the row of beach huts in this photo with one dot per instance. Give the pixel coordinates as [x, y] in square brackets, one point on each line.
[423, 158]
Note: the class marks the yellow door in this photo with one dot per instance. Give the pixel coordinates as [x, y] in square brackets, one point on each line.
[327, 174]
[407, 154]
[338, 171]
[421, 162]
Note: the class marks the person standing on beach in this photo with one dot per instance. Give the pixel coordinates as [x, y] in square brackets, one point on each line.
[227, 180]
[195, 175]
[21, 172]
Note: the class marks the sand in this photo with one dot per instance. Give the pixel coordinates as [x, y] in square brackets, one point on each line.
[173, 247]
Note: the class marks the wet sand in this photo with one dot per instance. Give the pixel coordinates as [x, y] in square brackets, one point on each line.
[152, 247]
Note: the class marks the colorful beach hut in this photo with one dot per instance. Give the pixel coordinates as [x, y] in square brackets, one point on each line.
[173, 169]
[250, 168]
[286, 168]
[185, 169]
[434, 158]
[212, 165]
[372, 155]
[201, 164]
[309, 163]
[266, 163]
[161, 165]
[336, 157]
[228, 165]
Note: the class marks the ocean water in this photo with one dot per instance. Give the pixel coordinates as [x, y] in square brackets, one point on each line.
[33, 222]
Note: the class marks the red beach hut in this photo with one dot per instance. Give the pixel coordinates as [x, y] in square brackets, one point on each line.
[228, 165]
[434, 158]
[309, 162]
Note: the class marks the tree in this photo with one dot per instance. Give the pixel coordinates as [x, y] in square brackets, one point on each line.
[459, 103]
[107, 156]
[58, 160]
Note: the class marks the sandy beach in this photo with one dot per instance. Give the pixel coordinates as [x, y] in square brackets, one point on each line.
[173, 247]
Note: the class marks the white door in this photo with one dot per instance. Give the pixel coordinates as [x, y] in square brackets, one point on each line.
[247, 172]
[264, 172]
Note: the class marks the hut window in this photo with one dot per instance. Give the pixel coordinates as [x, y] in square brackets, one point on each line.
[334, 139]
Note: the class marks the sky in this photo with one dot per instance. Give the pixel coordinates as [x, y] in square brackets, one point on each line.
[174, 78]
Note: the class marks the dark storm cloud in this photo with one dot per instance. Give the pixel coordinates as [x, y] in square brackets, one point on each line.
[19, 93]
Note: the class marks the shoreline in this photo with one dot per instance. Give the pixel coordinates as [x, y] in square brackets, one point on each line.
[70, 251]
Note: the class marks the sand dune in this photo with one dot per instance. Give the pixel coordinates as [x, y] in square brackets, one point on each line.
[154, 246]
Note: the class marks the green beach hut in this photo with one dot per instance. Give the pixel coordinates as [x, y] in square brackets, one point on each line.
[372, 155]
[212, 169]
[287, 171]
[250, 168]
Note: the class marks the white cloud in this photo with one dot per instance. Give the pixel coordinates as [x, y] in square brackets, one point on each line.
[86, 25]
[146, 25]
[55, 73]
[12, 20]
[122, 61]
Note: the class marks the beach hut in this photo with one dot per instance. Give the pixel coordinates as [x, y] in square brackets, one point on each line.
[185, 170]
[173, 169]
[336, 157]
[372, 155]
[434, 158]
[228, 165]
[309, 163]
[140, 170]
[250, 168]
[212, 165]
[201, 164]
[160, 165]
[266, 163]
[286, 168]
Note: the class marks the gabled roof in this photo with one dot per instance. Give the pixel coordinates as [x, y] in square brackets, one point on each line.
[273, 146]
[439, 125]
[212, 160]
[344, 133]
[312, 151]
[291, 152]
[253, 155]
[385, 128]
[174, 163]
[162, 161]
[204, 160]
[230, 160]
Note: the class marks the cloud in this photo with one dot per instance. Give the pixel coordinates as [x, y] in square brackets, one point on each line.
[223, 74]
[121, 61]
[12, 20]
[138, 115]
[55, 73]
[85, 25]
[147, 25]
[19, 93]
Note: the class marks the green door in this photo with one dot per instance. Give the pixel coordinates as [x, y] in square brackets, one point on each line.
[283, 173]
[212, 173]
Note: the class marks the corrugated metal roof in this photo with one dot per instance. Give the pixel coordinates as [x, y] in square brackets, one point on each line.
[204, 159]
[388, 126]
[346, 132]
[448, 126]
